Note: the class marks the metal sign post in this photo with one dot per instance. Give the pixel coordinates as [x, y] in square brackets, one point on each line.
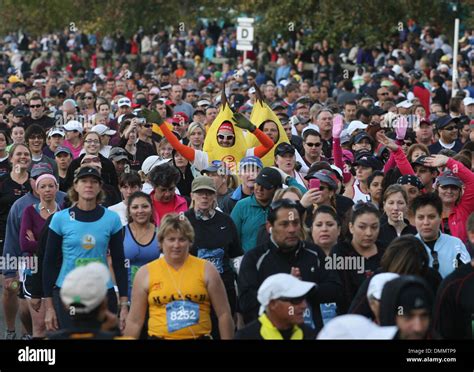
[455, 57]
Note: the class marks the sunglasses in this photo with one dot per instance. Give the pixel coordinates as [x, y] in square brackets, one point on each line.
[35, 137]
[383, 94]
[36, 106]
[88, 97]
[309, 144]
[407, 143]
[287, 203]
[293, 301]
[450, 128]
[223, 137]
[92, 142]
[322, 188]
[147, 125]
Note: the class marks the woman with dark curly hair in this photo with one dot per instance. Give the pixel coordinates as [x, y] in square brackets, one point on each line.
[164, 179]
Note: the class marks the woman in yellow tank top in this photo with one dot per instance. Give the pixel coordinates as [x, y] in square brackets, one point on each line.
[178, 290]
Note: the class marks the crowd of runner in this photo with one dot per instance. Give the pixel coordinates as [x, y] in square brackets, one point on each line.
[163, 188]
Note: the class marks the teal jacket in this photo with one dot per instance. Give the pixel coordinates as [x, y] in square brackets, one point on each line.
[248, 217]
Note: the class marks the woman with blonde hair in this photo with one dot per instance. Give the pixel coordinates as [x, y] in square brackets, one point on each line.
[196, 134]
[178, 290]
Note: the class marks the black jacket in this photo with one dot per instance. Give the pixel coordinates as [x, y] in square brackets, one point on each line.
[343, 206]
[297, 142]
[266, 260]
[454, 309]
[360, 304]
[144, 150]
[109, 175]
[351, 278]
[218, 233]
[388, 233]
[44, 122]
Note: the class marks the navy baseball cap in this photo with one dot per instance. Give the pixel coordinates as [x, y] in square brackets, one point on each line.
[421, 161]
[62, 150]
[448, 178]
[39, 169]
[362, 135]
[444, 121]
[369, 162]
[87, 172]
[251, 160]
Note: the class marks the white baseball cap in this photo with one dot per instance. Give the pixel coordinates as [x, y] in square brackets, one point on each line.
[102, 130]
[55, 130]
[281, 285]
[152, 162]
[73, 125]
[405, 104]
[203, 102]
[377, 283]
[86, 286]
[124, 102]
[355, 327]
[71, 101]
[468, 101]
[354, 125]
[252, 90]
[397, 69]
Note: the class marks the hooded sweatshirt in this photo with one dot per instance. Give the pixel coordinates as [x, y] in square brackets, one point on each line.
[392, 291]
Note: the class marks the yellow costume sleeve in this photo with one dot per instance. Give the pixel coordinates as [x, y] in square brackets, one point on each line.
[261, 113]
[156, 128]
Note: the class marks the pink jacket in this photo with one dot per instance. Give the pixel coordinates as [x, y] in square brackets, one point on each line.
[338, 159]
[458, 218]
[159, 209]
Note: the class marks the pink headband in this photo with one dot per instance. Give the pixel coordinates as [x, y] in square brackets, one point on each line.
[46, 176]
